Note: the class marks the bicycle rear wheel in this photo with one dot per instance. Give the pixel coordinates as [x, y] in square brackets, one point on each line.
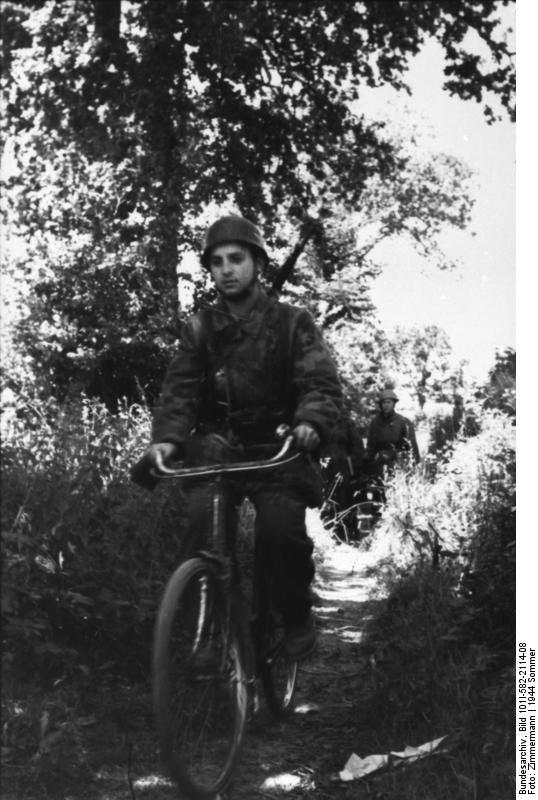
[278, 672]
[199, 681]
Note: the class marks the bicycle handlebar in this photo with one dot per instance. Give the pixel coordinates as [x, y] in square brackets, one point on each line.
[160, 470]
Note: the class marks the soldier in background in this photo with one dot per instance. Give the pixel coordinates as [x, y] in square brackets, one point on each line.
[244, 366]
[390, 434]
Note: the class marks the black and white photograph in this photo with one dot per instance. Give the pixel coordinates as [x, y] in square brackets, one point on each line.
[258, 401]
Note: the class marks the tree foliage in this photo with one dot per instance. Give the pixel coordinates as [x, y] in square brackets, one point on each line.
[129, 119]
[428, 194]
[500, 388]
[419, 360]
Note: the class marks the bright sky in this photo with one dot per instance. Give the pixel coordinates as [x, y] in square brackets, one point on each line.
[476, 305]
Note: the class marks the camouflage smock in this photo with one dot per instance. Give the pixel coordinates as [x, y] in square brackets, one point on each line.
[242, 377]
[393, 429]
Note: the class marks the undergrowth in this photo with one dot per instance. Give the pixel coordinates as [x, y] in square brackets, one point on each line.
[85, 554]
[442, 651]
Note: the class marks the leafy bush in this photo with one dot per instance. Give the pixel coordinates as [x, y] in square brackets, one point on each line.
[500, 389]
[85, 552]
[442, 520]
[443, 649]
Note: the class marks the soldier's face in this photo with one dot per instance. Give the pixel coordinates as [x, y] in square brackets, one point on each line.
[387, 406]
[233, 268]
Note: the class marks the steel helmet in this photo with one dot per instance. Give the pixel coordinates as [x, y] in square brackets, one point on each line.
[388, 394]
[233, 228]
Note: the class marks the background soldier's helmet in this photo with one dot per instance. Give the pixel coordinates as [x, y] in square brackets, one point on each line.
[388, 394]
[233, 229]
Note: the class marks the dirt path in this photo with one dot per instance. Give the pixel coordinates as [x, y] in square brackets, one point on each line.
[299, 757]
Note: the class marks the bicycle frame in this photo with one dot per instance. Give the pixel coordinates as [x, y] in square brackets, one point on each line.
[245, 653]
[218, 472]
[218, 546]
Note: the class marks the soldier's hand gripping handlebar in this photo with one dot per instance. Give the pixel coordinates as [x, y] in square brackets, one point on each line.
[152, 466]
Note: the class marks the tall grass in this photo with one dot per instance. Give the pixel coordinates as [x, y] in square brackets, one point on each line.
[476, 476]
[442, 651]
[84, 551]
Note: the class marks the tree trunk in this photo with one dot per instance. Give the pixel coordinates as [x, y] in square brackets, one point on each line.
[107, 15]
[165, 115]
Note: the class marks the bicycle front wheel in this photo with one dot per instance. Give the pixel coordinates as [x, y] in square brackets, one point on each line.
[199, 681]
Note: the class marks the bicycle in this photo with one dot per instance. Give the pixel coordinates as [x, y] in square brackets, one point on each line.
[340, 522]
[208, 657]
[369, 499]
[357, 520]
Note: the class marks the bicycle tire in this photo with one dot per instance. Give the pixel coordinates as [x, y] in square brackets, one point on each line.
[200, 690]
[278, 672]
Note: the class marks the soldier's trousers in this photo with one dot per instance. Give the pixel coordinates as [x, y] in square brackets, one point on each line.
[280, 532]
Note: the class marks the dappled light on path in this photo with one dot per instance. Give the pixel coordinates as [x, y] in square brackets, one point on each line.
[347, 596]
[151, 781]
[303, 754]
[286, 782]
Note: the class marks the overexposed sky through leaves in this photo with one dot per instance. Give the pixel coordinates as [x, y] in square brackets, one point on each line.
[475, 304]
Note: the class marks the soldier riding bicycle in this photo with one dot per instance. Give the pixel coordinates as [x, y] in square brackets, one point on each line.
[243, 366]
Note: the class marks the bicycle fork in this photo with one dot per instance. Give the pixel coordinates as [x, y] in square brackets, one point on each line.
[225, 591]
